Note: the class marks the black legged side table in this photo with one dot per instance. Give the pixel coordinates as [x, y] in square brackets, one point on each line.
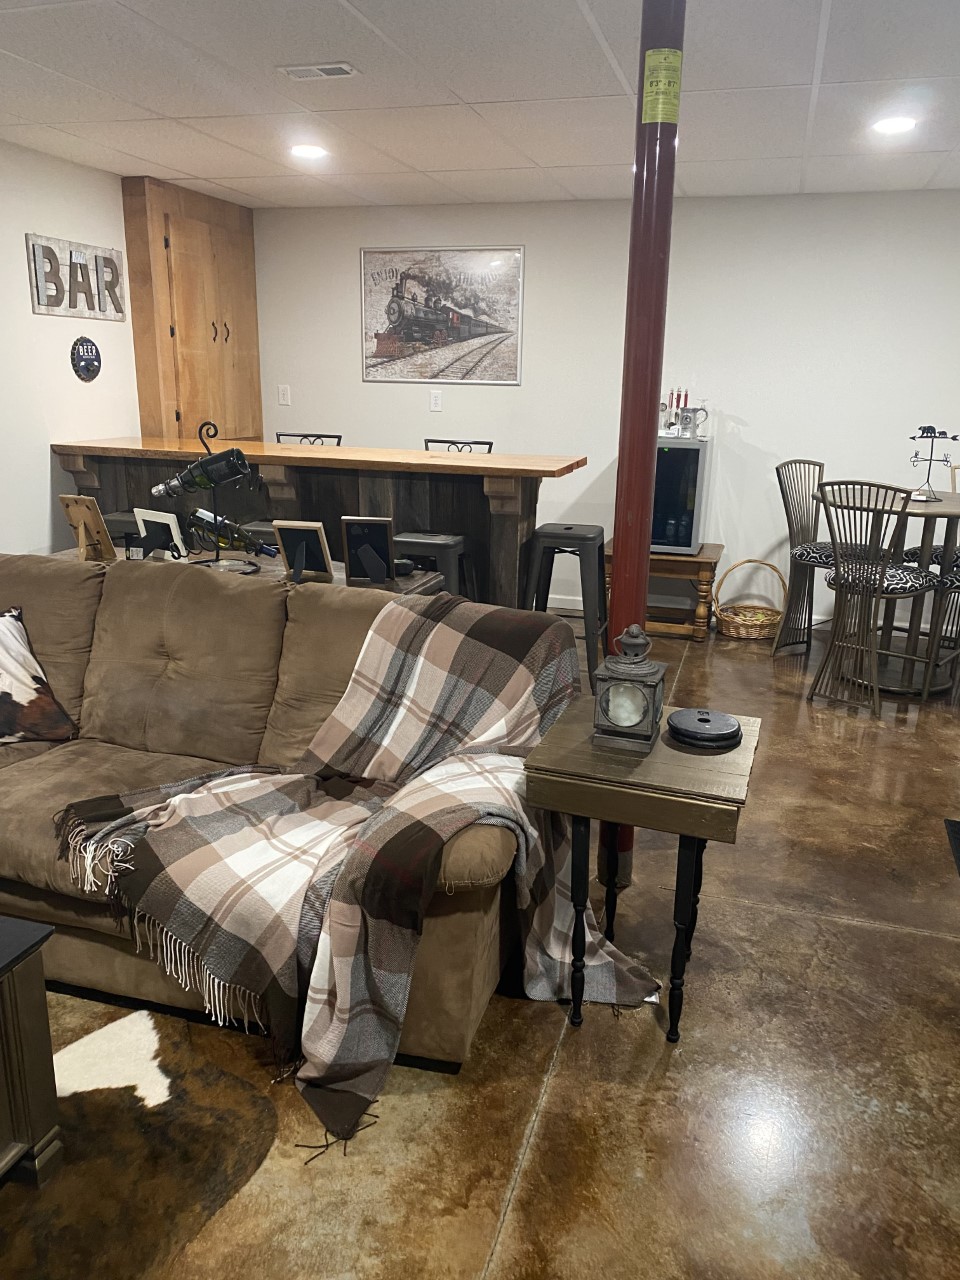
[696, 795]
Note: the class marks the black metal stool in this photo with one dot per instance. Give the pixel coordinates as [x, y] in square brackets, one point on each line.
[585, 541]
[449, 553]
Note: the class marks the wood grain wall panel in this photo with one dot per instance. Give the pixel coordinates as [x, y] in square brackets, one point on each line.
[218, 265]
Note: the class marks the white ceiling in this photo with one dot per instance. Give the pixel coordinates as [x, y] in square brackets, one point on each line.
[466, 101]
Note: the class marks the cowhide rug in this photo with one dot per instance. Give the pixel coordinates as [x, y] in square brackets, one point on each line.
[157, 1137]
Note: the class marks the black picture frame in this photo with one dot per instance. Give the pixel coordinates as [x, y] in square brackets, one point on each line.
[368, 550]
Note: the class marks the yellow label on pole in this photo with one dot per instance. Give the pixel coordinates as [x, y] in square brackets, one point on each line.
[661, 86]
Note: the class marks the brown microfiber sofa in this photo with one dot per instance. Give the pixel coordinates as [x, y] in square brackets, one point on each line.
[170, 671]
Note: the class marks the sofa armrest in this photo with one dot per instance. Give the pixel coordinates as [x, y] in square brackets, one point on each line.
[476, 857]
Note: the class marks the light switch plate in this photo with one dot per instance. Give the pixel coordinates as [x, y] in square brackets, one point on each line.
[436, 401]
[283, 393]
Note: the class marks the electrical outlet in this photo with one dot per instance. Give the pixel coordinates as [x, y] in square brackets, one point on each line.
[283, 393]
[436, 401]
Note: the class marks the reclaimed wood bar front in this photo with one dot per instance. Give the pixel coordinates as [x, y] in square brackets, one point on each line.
[490, 498]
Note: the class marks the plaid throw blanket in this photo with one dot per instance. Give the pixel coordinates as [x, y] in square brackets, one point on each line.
[297, 898]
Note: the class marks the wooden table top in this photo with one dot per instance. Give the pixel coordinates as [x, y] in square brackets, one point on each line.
[337, 457]
[674, 788]
[948, 508]
[709, 553]
[19, 939]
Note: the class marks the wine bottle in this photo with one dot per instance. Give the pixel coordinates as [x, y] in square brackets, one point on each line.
[229, 536]
[205, 473]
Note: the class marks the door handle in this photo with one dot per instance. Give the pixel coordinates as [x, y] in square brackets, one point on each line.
[213, 324]
[226, 332]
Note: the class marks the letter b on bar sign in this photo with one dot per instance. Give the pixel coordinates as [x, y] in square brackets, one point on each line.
[78, 280]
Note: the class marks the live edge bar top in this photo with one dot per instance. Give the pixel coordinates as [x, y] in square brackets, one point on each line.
[338, 457]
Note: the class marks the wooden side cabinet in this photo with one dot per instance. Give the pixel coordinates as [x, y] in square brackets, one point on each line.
[193, 302]
[30, 1146]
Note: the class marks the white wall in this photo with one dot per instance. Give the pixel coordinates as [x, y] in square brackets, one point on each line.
[814, 326]
[41, 398]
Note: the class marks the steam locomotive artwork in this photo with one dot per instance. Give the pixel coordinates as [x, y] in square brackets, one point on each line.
[447, 315]
[431, 321]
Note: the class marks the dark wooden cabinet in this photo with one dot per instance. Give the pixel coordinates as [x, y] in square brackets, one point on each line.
[193, 301]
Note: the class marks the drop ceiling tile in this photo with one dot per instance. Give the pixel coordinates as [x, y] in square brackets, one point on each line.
[743, 124]
[739, 177]
[294, 191]
[44, 97]
[892, 40]
[567, 132]
[904, 172]
[259, 38]
[221, 192]
[845, 113]
[397, 188]
[433, 137]
[947, 174]
[499, 50]
[596, 182]
[171, 143]
[488, 186]
[117, 51]
[54, 142]
[727, 44]
[273, 136]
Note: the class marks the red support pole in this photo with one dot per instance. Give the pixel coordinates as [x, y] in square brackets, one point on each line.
[658, 100]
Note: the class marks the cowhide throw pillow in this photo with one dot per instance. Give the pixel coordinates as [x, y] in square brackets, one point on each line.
[28, 710]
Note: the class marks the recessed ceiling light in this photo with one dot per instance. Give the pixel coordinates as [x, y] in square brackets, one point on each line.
[895, 124]
[307, 151]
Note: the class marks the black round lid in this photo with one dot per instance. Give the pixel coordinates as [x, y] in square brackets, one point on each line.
[704, 728]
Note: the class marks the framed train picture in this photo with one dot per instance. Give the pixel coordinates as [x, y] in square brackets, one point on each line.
[442, 315]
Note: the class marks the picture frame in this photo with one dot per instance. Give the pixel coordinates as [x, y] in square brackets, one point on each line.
[449, 314]
[363, 535]
[86, 520]
[311, 537]
[145, 516]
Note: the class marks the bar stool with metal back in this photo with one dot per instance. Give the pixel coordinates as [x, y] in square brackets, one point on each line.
[310, 437]
[458, 446]
[585, 541]
[799, 480]
[448, 552]
[866, 523]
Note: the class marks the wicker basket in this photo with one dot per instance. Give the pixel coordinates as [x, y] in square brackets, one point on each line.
[748, 621]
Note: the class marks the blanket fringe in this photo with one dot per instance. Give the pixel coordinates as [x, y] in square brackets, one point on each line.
[223, 1001]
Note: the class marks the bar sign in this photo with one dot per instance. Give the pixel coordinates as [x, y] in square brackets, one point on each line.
[72, 279]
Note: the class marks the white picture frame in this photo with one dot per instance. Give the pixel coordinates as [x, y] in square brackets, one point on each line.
[143, 514]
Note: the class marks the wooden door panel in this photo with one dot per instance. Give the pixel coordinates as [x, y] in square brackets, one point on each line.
[236, 279]
[197, 324]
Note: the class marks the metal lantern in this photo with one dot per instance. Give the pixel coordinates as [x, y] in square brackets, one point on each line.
[629, 698]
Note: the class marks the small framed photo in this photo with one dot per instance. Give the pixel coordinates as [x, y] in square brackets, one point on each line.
[368, 550]
[86, 520]
[160, 530]
[303, 549]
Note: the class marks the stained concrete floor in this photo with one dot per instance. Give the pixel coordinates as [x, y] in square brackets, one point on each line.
[806, 1126]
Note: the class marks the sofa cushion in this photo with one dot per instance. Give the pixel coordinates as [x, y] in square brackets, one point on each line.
[326, 628]
[15, 751]
[184, 661]
[34, 791]
[59, 599]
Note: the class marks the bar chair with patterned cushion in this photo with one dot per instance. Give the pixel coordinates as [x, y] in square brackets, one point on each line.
[866, 523]
[799, 480]
[944, 629]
